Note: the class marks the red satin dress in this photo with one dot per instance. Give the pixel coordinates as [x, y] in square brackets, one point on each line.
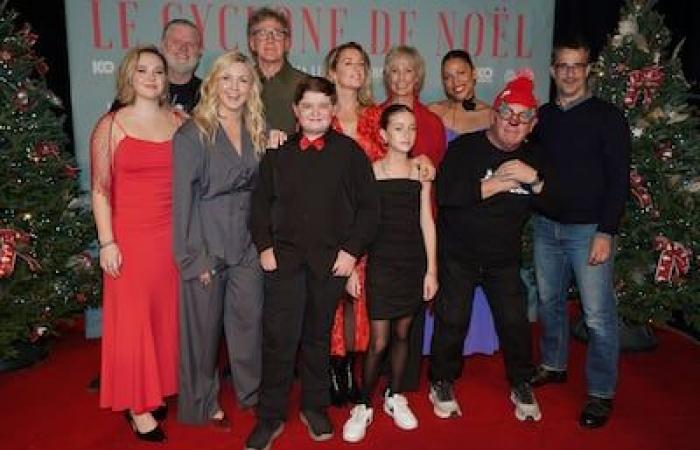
[140, 322]
[367, 137]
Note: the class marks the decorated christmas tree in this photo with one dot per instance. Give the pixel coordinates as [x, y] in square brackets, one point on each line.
[656, 264]
[46, 274]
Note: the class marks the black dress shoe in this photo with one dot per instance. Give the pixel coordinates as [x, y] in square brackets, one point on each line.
[160, 413]
[596, 412]
[155, 435]
[544, 376]
[353, 387]
[338, 381]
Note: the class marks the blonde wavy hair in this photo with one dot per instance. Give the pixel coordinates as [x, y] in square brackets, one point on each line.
[206, 114]
[416, 60]
[330, 64]
[125, 90]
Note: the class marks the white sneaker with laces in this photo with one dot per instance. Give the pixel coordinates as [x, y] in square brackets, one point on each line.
[396, 406]
[356, 426]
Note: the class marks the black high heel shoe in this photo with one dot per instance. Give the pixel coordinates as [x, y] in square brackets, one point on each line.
[160, 413]
[155, 435]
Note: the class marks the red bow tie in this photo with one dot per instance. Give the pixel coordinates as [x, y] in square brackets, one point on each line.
[316, 144]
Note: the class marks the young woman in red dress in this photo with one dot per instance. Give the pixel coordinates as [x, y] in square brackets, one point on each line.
[131, 159]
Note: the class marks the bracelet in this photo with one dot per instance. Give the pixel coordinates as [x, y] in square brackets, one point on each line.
[106, 244]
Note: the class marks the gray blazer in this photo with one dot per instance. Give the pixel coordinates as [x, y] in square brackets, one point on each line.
[212, 186]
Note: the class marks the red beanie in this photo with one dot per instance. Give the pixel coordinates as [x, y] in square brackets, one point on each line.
[518, 91]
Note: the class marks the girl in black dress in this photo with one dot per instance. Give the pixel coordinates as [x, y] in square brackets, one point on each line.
[401, 269]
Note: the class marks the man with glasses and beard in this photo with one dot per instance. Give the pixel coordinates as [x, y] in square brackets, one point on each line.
[181, 44]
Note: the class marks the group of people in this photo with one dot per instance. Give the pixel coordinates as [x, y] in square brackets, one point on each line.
[298, 216]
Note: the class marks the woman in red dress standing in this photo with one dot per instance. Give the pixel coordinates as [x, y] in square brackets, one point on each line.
[357, 116]
[348, 67]
[131, 159]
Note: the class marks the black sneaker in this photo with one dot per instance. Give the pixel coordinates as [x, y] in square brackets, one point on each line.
[263, 434]
[526, 407]
[442, 396]
[596, 412]
[318, 423]
[544, 376]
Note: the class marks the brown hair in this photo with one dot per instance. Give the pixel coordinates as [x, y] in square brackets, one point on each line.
[264, 13]
[315, 84]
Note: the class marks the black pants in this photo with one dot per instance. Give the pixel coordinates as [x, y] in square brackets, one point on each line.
[298, 313]
[453, 308]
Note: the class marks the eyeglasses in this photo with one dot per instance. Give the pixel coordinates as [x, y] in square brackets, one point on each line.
[575, 67]
[276, 34]
[522, 118]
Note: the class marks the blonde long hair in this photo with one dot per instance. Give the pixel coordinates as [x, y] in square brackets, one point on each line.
[330, 64]
[206, 114]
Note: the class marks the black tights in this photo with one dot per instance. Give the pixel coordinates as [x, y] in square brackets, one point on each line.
[378, 342]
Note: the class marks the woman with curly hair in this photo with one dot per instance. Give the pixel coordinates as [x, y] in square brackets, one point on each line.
[215, 171]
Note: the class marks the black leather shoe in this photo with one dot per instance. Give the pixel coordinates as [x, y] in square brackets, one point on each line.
[596, 412]
[155, 435]
[263, 434]
[544, 376]
[353, 386]
[338, 381]
[160, 413]
[318, 423]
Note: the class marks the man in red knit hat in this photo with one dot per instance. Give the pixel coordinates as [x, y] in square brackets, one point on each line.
[485, 188]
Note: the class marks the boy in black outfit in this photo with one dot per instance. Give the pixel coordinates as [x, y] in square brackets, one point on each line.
[484, 191]
[314, 211]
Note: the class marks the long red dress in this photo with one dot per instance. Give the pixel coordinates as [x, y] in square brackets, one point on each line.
[140, 318]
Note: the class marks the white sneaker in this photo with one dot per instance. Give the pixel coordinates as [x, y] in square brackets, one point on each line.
[526, 407]
[396, 406]
[356, 426]
[441, 395]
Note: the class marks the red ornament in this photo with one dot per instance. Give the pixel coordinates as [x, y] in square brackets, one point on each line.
[9, 241]
[81, 298]
[639, 191]
[41, 67]
[70, 171]
[26, 33]
[674, 260]
[643, 82]
[44, 149]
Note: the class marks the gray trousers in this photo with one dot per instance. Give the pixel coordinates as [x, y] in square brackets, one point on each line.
[233, 299]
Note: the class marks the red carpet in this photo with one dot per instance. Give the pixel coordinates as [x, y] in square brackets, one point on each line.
[657, 407]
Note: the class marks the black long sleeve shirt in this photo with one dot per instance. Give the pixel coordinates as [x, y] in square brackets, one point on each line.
[587, 147]
[473, 229]
[310, 204]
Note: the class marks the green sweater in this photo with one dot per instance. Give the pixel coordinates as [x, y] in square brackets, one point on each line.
[278, 96]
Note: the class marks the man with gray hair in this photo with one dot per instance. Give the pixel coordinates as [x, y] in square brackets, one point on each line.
[181, 44]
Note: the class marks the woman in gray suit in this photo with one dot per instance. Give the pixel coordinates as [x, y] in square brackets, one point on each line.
[216, 157]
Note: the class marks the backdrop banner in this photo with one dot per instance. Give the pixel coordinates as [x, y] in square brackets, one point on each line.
[501, 35]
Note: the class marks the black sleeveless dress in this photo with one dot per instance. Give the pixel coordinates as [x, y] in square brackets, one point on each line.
[396, 261]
